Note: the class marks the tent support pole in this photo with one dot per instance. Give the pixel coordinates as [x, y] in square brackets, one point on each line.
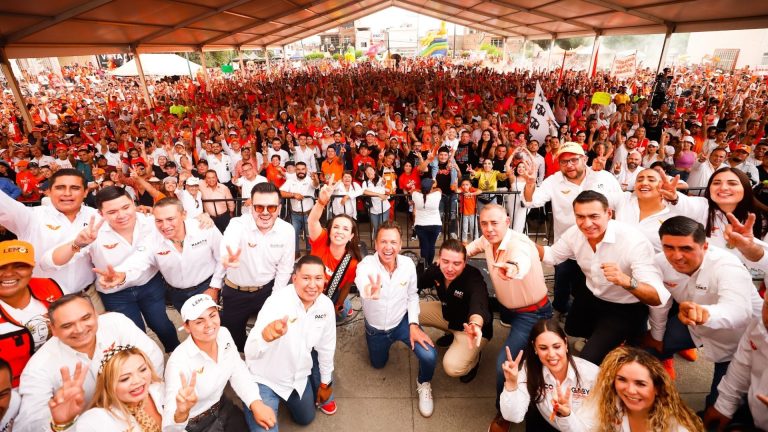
[239, 54]
[5, 65]
[593, 57]
[142, 79]
[203, 64]
[665, 48]
[266, 56]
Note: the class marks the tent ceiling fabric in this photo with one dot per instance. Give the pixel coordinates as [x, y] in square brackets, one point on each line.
[69, 27]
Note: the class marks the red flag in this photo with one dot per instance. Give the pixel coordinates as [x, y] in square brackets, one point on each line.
[594, 64]
[562, 68]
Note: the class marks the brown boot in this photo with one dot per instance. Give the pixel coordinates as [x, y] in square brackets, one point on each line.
[499, 424]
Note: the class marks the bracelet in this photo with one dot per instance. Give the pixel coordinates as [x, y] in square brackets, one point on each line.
[62, 427]
[75, 247]
[475, 324]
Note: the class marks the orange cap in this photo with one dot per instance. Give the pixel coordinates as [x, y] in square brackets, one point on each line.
[16, 251]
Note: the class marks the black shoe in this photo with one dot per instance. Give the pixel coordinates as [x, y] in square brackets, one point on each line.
[472, 373]
[445, 340]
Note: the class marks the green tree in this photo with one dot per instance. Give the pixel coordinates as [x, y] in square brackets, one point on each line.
[570, 44]
[542, 43]
[492, 50]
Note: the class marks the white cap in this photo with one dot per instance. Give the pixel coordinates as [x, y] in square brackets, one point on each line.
[195, 306]
[689, 139]
[193, 181]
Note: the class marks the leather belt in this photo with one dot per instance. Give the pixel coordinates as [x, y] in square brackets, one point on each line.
[230, 284]
[301, 213]
[212, 410]
[539, 304]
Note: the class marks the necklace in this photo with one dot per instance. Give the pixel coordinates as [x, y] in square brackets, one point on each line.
[145, 421]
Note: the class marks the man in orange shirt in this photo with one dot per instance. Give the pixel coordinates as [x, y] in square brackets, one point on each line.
[274, 172]
[332, 166]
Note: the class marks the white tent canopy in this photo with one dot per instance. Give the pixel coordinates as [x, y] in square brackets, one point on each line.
[158, 65]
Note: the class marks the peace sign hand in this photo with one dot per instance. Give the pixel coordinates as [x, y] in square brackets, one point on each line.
[110, 278]
[232, 259]
[526, 170]
[69, 400]
[326, 191]
[561, 403]
[668, 188]
[373, 289]
[475, 333]
[741, 236]
[89, 233]
[186, 398]
[511, 370]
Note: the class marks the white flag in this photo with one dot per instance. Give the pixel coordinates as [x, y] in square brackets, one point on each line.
[541, 115]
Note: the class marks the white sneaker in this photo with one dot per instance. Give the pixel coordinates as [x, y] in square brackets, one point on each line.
[426, 405]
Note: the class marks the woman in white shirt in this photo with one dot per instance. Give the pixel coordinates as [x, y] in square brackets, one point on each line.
[129, 395]
[373, 187]
[554, 380]
[345, 196]
[633, 392]
[427, 222]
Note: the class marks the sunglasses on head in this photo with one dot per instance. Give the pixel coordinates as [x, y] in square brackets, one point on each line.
[272, 208]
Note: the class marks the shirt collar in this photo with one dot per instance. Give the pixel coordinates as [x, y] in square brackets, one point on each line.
[610, 233]
[507, 238]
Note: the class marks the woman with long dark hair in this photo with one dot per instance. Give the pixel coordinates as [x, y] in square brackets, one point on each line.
[552, 381]
[486, 145]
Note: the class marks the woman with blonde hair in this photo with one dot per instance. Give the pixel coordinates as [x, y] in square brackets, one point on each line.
[129, 395]
[634, 393]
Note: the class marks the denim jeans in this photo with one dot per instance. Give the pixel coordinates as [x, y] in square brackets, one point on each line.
[520, 329]
[314, 377]
[379, 342]
[300, 224]
[567, 275]
[341, 316]
[427, 235]
[301, 407]
[468, 228]
[677, 337]
[179, 295]
[146, 300]
[376, 220]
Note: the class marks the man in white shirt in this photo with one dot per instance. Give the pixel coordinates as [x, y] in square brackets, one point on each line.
[186, 255]
[301, 191]
[191, 197]
[388, 289]
[125, 233]
[306, 154]
[80, 336]
[621, 279]
[276, 149]
[49, 226]
[560, 189]
[714, 298]
[739, 160]
[258, 255]
[220, 162]
[246, 183]
[705, 166]
[628, 172]
[279, 351]
[746, 376]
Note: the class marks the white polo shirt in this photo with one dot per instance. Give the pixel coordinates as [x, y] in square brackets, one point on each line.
[305, 188]
[46, 228]
[398, 295]
[562, 192]
[263, 257]
[285, 363]
[724, 287]
[628, 211]
[349, 207]
[198, 260]
[41, 377]
[221, 166]
[307, 156]
[212, 377]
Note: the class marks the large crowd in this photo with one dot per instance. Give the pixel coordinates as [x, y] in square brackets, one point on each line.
[234, 196]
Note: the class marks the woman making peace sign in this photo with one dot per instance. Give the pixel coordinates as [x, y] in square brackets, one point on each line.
[552, 379]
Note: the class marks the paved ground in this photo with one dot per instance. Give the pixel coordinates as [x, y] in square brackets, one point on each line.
[372, 400]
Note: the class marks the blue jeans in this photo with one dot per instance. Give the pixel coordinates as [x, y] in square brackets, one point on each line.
[179, 296]
[521, 324]
[379, 341]
[301, 407]
[677, 337]
[376, 220]
[300, 224]
[314, 377]
[341, 316]
[147, 300]
[567, 274]
[427, 235]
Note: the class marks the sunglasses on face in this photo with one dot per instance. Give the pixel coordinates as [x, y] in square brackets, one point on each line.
[272, 208]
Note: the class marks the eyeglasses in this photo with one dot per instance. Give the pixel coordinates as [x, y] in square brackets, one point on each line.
[272, 208]
[572, 161]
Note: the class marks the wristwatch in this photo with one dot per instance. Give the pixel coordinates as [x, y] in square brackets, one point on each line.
[632, 284]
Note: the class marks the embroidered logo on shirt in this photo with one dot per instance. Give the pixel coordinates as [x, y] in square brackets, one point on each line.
[110, 246]
[320, 316]
[164, 252]
[276, 245]
[203, 241]
[702, 288]
[458, 294]
[53, 227]
[669, 284]
[752, 345]
[566, 191]
[200, 371]
[252, 245]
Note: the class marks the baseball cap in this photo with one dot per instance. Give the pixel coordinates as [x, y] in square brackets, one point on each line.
[193, 181]
[195, 306]
[16, 251]
[653, 144]
[744, 148]
[22, 164]
[570, 147]
[689, 139]
[154, 180]
[370, 132]
[169, 179]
